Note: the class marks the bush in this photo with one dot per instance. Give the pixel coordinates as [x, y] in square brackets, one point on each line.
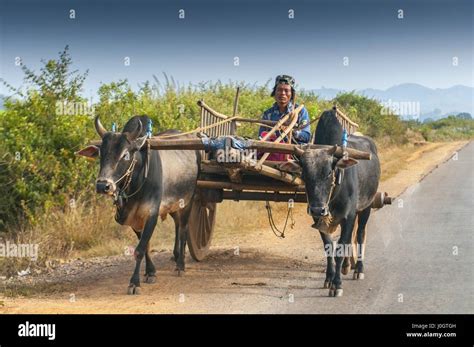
[448, 129]
[372, 121]
[38, 166]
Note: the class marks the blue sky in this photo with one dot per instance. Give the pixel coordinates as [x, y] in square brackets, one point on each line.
[383, 50]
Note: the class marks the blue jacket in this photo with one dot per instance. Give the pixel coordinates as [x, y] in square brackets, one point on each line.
[273, 113]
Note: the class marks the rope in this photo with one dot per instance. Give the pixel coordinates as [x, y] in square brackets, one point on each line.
[328, 219]
[128, 175]
[333, 184]
[273, 226]
[128, 172]
[147, 165]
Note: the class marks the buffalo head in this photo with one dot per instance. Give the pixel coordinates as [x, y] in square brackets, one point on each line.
[117, 154]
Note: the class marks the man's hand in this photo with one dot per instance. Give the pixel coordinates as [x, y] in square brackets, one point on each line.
[296, 133]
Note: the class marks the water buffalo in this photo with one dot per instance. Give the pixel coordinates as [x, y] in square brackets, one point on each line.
[146, 184]
[338, 191]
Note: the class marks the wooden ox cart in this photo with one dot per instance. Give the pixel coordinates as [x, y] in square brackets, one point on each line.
[243, 177]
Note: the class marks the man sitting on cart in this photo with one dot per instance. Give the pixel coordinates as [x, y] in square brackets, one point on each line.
[284, 94]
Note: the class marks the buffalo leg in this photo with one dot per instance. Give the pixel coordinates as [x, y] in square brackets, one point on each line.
[182, 237]
[150, 270]
[175, 216]
[361, 237]
[140, 251]
[350, 262]
[329, 250]
[343, 246]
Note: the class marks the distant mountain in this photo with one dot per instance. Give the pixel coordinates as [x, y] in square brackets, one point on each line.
[327, 93]
[426, 102]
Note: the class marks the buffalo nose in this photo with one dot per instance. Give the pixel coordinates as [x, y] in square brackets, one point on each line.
[319, 211]
[104, 187]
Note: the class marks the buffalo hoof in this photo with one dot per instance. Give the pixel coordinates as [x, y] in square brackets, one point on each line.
[345, 269]
[133, 289]
[327, 284]
[358, 276]
[179, 272]
[333, 292]
[150, 279]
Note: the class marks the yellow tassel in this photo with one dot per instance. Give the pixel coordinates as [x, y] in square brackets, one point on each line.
[327, 220]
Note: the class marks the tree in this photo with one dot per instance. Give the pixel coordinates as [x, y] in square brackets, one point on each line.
[38, 169]
[464, 115]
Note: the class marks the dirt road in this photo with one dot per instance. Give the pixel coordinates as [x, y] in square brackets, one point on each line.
[411, 265]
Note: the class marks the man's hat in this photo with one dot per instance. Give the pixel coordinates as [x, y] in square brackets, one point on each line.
[287, 79]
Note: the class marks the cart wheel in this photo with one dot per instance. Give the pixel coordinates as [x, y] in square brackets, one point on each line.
[201, 227]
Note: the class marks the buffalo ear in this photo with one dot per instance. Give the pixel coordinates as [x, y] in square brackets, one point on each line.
[91, 152]
[290, 166]
[140, 142]
[346, 163]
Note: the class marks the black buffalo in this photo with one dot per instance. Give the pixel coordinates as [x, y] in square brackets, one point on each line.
[338, 191]
[146, 184]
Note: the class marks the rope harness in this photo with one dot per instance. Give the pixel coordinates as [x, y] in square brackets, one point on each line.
[328, 218]
[276, 231]
[127, 176]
